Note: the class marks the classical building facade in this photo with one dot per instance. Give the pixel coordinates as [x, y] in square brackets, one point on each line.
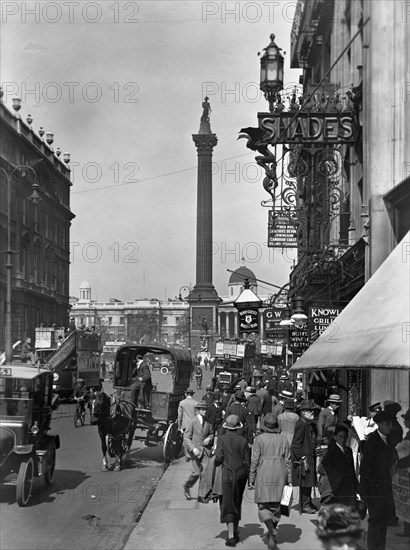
[355, 59]
[39, 233]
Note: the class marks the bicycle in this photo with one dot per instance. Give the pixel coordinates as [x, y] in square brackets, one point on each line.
[79, 416]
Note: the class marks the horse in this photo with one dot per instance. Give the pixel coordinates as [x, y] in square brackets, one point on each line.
[117, 419]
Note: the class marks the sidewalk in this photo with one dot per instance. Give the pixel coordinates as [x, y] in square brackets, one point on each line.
[170, 522]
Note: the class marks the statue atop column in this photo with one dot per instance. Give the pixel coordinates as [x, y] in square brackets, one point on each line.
[206, 110]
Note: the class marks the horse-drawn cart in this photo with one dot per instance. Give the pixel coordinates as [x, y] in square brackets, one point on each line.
[26, 450]
[171, 370]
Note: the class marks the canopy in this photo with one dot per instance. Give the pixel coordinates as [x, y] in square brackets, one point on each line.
[373, 331]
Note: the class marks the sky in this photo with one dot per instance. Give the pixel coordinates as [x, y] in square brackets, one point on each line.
[120, 84]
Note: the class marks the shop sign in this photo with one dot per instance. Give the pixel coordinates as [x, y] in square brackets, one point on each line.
[248, 320]
[271, 349]
[317, 127]
[320, 318]
[299, 339]
[219, 348]
[282, 230]
[271, 318]
[240, 350]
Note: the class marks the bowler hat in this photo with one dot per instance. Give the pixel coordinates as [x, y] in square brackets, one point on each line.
[289, 404]
[269, 423]
[201, 405]
[209, 387]
[232, 422]
[406, 416]
[189, 391]
[286, 394]
[384, 416]
[392, 407]
[376, 407]
[306, 405]
[334, 398]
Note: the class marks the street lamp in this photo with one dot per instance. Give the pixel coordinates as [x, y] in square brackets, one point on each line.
[187, 299]
[271, 76]
[35, 198]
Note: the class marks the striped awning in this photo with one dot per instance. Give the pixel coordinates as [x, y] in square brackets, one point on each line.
[373, 331]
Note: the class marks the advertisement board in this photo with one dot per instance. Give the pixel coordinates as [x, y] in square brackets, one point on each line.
[320, 318]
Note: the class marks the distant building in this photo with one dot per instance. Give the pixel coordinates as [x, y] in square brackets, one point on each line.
[40, 233]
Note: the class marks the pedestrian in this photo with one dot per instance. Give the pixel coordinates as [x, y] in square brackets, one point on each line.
[25, 354]
[206, 363]
[375, 485]
[198, 438]
[270, 472]
[338, 466]
[233, 455]
[280, 405]
[208, 397]
[198, 376]
[253, 404]
[396, 435]
[284, 383]
[103, 368]
[242, 383]
[214, 414]
[303, 458]
[269, 402]
[186, 412]
[287, 420]
[141, 386]
[362, 426]
[403, 452]
[262, 392]
[238, 407]
[339, 528]
[328, 419]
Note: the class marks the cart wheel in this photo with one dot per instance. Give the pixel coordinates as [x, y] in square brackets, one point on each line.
[25, 482]
[172, 443]
[49, 474]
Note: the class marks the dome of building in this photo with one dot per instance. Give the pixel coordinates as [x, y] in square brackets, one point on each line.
[85, 285]
[240, 274]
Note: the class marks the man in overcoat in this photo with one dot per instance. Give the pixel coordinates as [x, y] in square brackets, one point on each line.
[141, 386]
[328, 419]
[186, 412]
[199, 437]
[303, 458]
[375, 485]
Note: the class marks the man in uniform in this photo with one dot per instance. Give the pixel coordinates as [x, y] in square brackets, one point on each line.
[141, 386]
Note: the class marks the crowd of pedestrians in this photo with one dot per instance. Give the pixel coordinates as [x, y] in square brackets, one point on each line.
[268, 437]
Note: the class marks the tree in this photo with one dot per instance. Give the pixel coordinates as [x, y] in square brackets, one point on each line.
[143, 327]
[182, 326]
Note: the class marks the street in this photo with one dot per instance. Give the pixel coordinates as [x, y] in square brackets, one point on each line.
[84, 507]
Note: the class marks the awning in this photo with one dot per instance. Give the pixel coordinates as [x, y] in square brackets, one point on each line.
[373, 331]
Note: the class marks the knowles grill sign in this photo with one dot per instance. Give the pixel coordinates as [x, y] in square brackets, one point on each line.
[320, 318]
[248, 320]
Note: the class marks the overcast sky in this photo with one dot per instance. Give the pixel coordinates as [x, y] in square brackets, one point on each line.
[121, 85]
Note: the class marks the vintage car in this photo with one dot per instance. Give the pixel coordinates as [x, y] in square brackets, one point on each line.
[26, 405]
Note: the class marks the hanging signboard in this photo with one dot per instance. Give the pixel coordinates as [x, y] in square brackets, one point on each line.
[282, 230]
[248, 320]
[319, 320]
[271, 318]
[299, 339]
[308, 127]
[271, 349]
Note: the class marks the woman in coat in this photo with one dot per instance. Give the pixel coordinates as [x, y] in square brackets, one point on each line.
[270, 472]
[233, 454]
[338, 465]
[303, 458]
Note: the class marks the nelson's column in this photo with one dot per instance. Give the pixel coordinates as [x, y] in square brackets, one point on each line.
[204, 299]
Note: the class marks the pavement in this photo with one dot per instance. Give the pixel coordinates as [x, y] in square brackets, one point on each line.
[170, 522]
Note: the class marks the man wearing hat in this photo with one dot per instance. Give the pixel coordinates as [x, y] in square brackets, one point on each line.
[396, 435]
[303, 458]
[141, 386]
[287, 419]
[328, 419]
[186, 412]
[375, 485]
[209, 396]
[199, 437]
[284, 383]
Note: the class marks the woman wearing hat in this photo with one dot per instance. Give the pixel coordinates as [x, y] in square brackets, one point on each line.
[270, 472]
[233, 454]
[339, 526]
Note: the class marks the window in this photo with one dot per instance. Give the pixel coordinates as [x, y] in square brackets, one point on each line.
[110, 320]
[122, 320]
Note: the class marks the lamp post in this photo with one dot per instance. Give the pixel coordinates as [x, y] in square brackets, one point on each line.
[271, 75]
[34, 197]
[188, 299]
